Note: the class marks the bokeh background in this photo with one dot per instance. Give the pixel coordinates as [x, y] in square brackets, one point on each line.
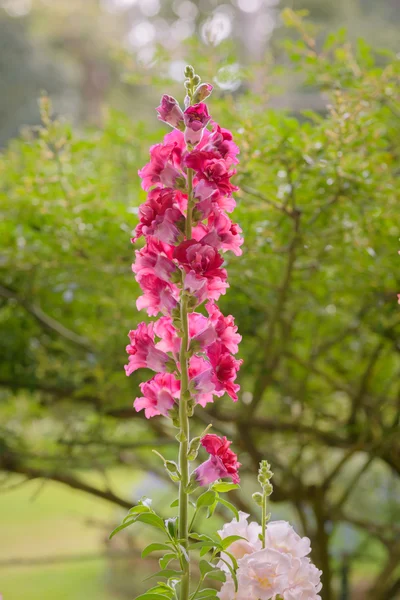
[313, 101]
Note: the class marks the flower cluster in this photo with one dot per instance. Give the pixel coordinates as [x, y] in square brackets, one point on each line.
[280, 569]
[188, 179]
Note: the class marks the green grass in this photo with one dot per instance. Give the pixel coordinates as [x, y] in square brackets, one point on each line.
[52, 521]
[85, 581]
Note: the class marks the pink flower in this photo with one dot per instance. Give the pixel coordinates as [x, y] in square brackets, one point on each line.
[196, 286]
[281, 536]
[225, 368]
[221, 141]
[225, 328]
[227, 591]
[170, 112]
[155, 259]
[262, 574]
[201, 331]
[158, 295]
[143, 353]
[211, 168]
[222, 463]
[196, 118]
[161, 216]
[249, 531]
[169, 339]
[223, 234]
[304, 581]
[201, 258]
[201, 383]
[159, 395]
[202, 92]
[161, 170]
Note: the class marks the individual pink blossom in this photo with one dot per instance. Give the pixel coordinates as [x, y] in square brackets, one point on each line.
[211, 168]
[169, 339]
[249, 531]
[222, 233]
[225, 368]
[201, 258]
[262, 575]
[304, 581]
[196, 118]
[221, 141]
[158, 295]
[170, 112]
[202, 332]
[281, 536]
[161, 216]
[159, 395]
[202, 92]
[197, 287]
[155, 258]
[227, 591]
[225, 328]
[222, 463]
[143, 353]
[201, 380]
[161, 170]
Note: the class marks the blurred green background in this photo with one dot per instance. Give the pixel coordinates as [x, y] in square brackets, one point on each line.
[313, 102]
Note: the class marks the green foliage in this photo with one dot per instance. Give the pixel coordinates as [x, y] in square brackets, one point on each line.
[314, 295]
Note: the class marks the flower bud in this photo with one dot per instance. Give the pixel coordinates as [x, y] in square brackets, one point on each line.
[172, 470]
[202, 92]
[258, 498]
[196, 80]
[193, 448]
[189, 71]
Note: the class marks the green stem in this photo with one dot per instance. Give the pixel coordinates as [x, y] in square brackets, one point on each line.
[183, 447]
[183, 412]
[188, 231]
[264, 517]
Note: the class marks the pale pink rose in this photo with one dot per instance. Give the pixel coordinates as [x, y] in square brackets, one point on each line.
[227, 591]
[249, 531]
[281, 536]
[263, 574]
[304, 581]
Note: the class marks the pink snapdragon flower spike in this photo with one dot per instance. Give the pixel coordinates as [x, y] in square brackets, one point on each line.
[222, 463]
[170, 112]
[196, 118]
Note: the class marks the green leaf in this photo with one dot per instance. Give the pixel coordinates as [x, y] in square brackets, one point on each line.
[218, 575]
[230, 506]
[206, 567]
[167, 573]
[225, 486]
[152, 519]
[229, 540]
[121, 527]
[141, 508]
[206, 593]
[172, 526]
[154, 548]
[211, 509]
[175, 503]
[151, 596]
[166, 559]
[203, 537]
[206, 499]
[233, 559]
